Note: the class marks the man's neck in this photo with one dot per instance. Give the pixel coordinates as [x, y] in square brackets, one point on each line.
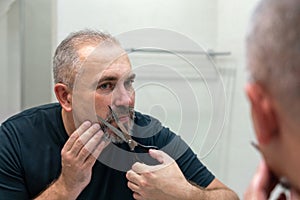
[68, 122]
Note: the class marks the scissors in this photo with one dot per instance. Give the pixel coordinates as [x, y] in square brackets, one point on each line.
[124, 134]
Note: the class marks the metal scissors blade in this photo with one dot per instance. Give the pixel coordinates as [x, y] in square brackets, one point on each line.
[120, 125]
[123, 133]
[131, 143]
[114, 129]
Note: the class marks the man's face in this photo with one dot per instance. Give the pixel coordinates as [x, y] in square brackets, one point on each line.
[115, 89]
[102, 83]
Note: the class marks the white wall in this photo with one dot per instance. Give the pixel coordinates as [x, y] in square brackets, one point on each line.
[36, 18]
[10, 70]
[233, 18]
[196, 19]
[25, 54]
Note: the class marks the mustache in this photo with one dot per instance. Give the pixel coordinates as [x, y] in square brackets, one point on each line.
[121, 111]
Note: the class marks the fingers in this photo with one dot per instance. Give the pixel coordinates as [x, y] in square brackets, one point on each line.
[73, 138]
[90, 142]
[264, 178]
[160, 156]
[157, 154]
[137, 196]
[87, 135]
[261, 176]
[99, 148]
[262, 183]
[141, 168]
[85, 144]
[86, 140]
[96, 153]
[133, 177]
[133, 184]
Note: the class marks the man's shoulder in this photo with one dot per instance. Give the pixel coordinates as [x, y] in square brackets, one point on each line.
[146, 126]
[34, 119]
[34, 112]
[144, 119]
[140, 118]
[39, 125]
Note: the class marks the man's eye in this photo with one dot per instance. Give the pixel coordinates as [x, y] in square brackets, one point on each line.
[106, 86]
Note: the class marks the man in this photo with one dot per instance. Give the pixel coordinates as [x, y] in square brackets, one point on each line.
[54, 151]
[273, 49]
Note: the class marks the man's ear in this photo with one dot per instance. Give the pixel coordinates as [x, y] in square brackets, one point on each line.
[64, 96]
[263, 113]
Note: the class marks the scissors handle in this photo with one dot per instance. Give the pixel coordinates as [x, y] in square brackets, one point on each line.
[144, 148]
[140, 148]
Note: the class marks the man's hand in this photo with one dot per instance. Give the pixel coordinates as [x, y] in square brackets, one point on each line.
[78, 156]
[262, 184]
[159, 182]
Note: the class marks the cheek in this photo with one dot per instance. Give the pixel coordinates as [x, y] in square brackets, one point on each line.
[132, 102]
[101, 104]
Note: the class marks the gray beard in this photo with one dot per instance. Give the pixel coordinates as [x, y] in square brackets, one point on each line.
[112, 138]
[116, 139]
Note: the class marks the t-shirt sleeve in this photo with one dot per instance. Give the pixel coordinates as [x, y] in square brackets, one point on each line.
[194, 170]
[12, 183]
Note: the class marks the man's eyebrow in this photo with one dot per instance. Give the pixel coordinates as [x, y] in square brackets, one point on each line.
[114, 78]
[107, 78]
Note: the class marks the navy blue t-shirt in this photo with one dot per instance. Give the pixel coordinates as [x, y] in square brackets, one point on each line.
[30, 156]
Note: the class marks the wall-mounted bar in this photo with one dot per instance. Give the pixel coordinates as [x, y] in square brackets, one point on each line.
[151, 50]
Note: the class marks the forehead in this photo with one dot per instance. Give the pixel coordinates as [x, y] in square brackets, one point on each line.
[96, 71]
[118, 67]
[85, 51]
[104, 58]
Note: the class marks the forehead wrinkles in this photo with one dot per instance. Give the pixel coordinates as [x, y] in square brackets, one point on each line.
[121, 64]
[105, 59]
[96, 62]
[117, 70]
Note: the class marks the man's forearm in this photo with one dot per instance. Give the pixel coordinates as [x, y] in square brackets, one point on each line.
[198, 193]
[191, 191]
[57, 191]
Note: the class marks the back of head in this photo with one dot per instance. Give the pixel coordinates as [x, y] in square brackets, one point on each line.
[273, 51]
[67, 61]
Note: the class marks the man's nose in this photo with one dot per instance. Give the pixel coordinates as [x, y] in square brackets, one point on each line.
[122, 96]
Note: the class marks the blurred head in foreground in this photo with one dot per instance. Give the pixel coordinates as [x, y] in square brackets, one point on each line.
[273, 61]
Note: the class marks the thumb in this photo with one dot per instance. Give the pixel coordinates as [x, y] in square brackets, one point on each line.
[160, 156]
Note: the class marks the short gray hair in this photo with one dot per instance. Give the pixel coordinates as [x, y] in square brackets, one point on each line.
[66, 61]
[273, 50]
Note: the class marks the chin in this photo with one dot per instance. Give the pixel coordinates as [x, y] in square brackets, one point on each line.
[112, 138]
